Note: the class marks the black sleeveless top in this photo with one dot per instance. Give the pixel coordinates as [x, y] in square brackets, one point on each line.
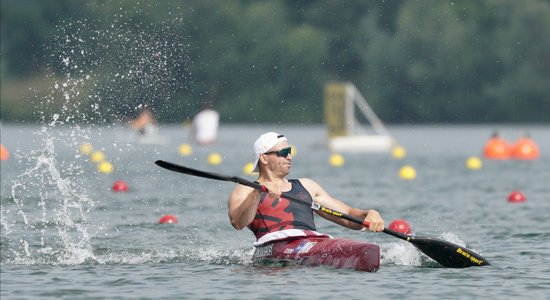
[279, 214]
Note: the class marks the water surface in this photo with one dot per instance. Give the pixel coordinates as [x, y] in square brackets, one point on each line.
[66, 235]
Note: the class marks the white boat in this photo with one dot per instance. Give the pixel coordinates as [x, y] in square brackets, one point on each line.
[345, 132]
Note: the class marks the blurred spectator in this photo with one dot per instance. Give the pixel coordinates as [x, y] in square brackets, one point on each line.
[205, 125]
[144, 124]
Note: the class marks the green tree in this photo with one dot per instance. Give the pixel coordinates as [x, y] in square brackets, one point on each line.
[522, 50]
[450, 62]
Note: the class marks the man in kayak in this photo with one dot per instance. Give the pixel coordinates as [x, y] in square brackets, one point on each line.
[272, 217]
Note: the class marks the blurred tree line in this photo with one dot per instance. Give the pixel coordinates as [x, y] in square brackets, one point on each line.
[267, 61]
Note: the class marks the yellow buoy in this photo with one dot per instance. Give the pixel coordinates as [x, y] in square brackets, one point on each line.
[293, 150]
[248, 168]
[214, 158]
[97, 156]
[398, 152]
[474, 163]
[105, 167]
[336, 160]
[185, 149]
[86, 148]
[407, 173]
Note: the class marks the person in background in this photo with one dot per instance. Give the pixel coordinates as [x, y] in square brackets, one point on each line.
[204, 127]
[144, 124]
[273, 218]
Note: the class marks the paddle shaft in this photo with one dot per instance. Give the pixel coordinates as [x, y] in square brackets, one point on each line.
[313, 205]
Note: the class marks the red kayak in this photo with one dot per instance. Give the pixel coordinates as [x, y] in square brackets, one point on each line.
[317, 251]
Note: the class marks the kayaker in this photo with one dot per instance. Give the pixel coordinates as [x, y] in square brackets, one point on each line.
[272, 218]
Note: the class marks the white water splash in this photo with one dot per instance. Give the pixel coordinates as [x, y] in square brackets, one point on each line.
[96, 73]
[118, 65]
[453, 238]
[56, 232]
[401, 253]
[405, 254]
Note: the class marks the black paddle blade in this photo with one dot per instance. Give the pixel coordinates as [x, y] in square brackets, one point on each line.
[448, 254]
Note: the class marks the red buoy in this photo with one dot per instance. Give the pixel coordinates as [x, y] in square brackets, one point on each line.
[400, 226]
[168, 219]
[120, 186]
[516, 197]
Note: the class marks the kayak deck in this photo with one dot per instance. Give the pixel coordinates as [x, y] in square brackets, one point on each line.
[317, 251]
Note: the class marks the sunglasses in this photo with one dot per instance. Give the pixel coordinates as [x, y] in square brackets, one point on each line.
[281, 153]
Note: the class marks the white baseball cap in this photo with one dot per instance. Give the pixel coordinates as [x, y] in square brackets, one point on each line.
[265, 142]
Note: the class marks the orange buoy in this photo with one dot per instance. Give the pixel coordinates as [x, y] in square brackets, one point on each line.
[497, 148]
[4, 154]
[525, 149]
[168, 219]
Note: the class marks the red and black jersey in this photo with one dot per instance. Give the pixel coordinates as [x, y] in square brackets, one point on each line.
[279, 214]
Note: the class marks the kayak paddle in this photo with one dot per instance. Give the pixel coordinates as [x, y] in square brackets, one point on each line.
[445, 253]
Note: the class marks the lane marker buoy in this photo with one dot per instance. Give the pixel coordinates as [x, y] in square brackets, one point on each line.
[497, 148]
[4, 153]
[168, 219]
[525, 149]
[293, 151]
[86, 148]
[400, 225]
[336, 160]
[398, 152]
[407, 173]
[97, 156]
[105, 167]
[516, 197]
[474, 163]
[120, 186]
[185, 150]
[248, 168]
[215, 158]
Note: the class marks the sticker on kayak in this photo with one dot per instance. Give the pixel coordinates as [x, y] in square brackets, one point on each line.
[303, 247]
[264, 250]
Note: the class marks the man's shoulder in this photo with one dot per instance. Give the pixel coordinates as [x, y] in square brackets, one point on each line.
[305, 181]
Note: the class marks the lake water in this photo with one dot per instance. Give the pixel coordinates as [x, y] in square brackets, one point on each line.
[66, 234]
